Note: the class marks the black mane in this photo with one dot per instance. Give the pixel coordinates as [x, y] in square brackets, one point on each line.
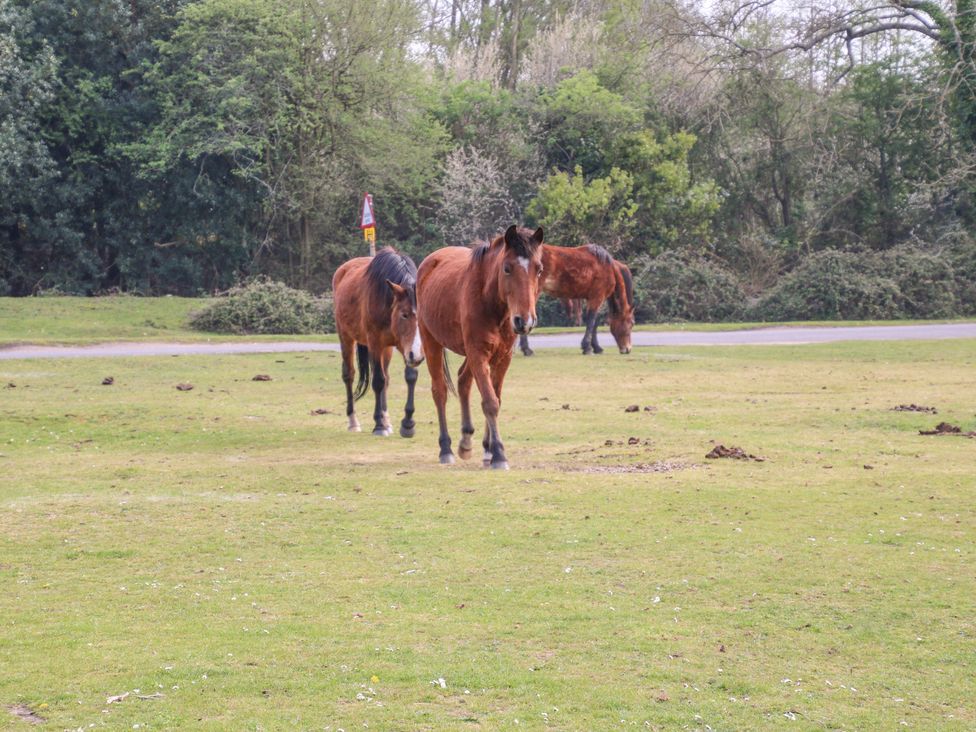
[628, 282]
[525, 245]
[601, 254]
[389, 264]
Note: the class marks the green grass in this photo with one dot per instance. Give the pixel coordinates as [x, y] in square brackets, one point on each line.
[79, 320]
[262, 568]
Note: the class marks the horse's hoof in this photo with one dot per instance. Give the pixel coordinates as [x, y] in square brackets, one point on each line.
[355, 428]
[528, 352]
[587, 351]
[464, 452]
[407, 431]
[381, 432]
[500, 465]
[597, 349]
[447, 458]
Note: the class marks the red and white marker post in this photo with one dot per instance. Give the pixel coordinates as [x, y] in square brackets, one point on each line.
[368, 224]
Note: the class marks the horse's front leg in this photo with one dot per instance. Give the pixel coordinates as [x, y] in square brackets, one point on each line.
[387, 357]
[593, 341]
[491, 404]
[588, 335]
[524, 346]
[379, 387]
[407, 426]
[465, 379]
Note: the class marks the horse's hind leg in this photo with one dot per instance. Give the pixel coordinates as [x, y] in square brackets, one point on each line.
[524, 346]
[465, 379]
[588, 335]
[438, 389]
[407, 426]
[348, 376]
[593, 341]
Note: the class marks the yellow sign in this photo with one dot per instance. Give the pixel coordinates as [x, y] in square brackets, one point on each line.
[369, 233]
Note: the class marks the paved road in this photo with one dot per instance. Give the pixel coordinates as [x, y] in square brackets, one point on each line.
[758, 336]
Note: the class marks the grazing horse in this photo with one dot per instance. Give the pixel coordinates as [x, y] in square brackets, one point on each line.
[375, 302]
[589, 273]
[474, 301]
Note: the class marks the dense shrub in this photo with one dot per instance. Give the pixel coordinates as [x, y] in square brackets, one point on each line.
[963, 259]
[832, 285]
[265, 306]
[674, 286]
[926, 282]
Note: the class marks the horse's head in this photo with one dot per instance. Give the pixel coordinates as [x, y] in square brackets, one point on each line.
[403, 322]
[519, 276]
[621, 315]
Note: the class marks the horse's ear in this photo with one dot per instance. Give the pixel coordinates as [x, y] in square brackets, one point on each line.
[397, 290]
[538, 235]
[511, 236]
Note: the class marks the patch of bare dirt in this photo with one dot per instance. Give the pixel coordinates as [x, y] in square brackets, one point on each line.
[914, 408]
[108, 381]
[660, 466]
[184, 387]
[734, 453]
[26, 714]
[320, 411]
[944, 428]
[261, 377]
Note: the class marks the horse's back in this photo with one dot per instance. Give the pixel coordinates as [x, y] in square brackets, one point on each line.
[577, 272]
[347, 293]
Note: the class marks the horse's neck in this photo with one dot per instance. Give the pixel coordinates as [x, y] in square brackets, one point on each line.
[487, 280]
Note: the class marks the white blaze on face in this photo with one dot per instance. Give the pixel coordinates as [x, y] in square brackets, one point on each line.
[418, 346]
[524, 262]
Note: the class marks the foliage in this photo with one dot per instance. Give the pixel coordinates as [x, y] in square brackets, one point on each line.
[675, 286]
[926, 282]
[832, 285]
[265, 306]
[576, 212]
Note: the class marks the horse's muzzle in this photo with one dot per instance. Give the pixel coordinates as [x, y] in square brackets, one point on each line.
[522, 326]
[414, 361]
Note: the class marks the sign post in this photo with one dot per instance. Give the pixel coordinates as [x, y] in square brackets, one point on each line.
[368, 224]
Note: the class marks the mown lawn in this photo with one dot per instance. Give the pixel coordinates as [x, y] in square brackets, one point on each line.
[257, 567]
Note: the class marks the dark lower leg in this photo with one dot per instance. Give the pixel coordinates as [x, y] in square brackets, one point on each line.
[407, 426]
[379, 389]
[524, 345]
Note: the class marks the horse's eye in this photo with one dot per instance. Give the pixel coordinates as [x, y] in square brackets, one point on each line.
[540, 271]
[405, 316]
[507, 269]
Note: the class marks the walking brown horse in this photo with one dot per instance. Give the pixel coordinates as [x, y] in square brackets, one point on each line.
[589, 273]
[474, 301]
[375, 303]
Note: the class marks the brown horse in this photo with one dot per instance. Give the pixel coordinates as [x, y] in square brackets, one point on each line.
[589, 273]
[375, 302]
[473, 302]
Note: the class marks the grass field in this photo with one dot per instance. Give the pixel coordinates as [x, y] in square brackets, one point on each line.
[234, 562]
[79, 320]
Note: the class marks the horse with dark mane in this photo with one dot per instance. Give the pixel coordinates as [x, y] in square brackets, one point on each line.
[375, 302]
[474, 301]
[589, 273]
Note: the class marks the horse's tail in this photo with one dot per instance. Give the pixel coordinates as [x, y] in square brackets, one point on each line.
[362, 356]
[447, 376]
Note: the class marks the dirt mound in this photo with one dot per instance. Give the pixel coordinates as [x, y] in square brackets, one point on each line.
[944, 428]
[735, 453]
[914, 408]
